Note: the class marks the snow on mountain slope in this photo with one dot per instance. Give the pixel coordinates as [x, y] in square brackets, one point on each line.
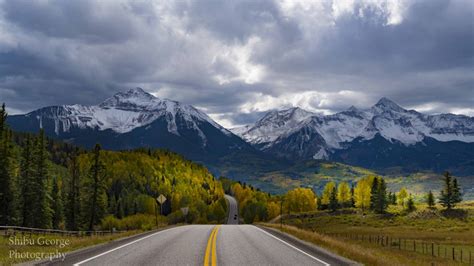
[272, 125]
[124, 112]
[385, 118]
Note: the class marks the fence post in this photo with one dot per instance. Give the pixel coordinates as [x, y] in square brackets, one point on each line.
[454, 258]
[432, 249]
[414, 245]
[461, 255]
[399, 244]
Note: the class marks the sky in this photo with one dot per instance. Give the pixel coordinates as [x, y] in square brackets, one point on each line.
[236, 60]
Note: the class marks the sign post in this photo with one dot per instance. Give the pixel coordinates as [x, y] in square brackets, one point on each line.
[185, 211]
[161, 199]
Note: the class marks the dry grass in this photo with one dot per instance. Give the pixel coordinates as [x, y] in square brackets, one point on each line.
[75, 243]
[368, 254]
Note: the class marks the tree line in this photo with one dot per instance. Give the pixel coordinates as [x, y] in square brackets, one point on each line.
[368, 194]
[50, 184]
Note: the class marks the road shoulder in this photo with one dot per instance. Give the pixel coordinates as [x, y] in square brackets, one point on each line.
[87, 252]
[310, 248]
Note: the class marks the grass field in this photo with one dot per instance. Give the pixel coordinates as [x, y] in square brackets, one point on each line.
[428, 232]
[45, 245]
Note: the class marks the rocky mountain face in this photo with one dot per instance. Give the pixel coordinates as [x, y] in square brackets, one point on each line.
[383, 136]
[134, 119]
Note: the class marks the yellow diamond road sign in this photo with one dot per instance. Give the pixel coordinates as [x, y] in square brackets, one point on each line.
[161, 199]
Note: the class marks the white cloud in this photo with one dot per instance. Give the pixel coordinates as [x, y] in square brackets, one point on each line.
[319, 102]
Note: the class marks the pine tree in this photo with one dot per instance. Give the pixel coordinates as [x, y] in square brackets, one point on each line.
[333, 204]
[410, 204]
[393, 199]
[430, 200]
[27, 184]
[374, 194]
[457, 196]
[7, 198]
[451, 193]
[381, 204]
[95, 201]
[352, 195]
[41, 208]
[56, 204]
[73, 204]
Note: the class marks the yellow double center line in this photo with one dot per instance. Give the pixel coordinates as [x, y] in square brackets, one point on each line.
[211, 248]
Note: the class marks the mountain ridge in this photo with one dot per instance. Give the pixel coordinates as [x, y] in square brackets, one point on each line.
[135, 119]
[332, 132]
[375, 138]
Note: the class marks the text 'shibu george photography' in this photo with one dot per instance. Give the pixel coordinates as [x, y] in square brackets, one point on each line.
[237, 132]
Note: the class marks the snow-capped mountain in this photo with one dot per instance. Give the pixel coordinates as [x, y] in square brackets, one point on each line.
[133, 119]
[307, 135]
[271, 126]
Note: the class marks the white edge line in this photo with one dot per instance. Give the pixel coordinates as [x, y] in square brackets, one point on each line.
[114, 249]
[290, 245]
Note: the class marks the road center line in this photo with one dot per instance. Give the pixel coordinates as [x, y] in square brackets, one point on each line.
[211, 248]
[290, 245]
[214, 252]
[122, 246]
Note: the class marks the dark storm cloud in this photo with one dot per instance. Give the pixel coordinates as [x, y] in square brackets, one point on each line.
[237, 59]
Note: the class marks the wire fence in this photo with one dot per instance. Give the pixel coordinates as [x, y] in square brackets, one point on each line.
[8, 231]
[460, 254]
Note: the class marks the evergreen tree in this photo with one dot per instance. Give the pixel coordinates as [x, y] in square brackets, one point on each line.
[73, 203]
[352, 195]
[410, 204]
[378, 196]
[7, 198]
[451, 193]
[374, 194]
[27, 184]
[333, 204]
[95, 201]
[41, 207]
[457, 196]
[430, 200]
[382, 203]
[56, 204]
[393, 198]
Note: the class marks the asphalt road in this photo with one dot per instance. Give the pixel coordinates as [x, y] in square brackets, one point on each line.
[230, 244]
[233, 210]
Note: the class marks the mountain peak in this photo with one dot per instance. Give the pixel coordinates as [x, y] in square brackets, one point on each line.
[133, 97]
[353, 109]
[387, 104]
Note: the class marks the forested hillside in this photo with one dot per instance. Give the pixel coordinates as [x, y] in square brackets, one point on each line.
[50, 184]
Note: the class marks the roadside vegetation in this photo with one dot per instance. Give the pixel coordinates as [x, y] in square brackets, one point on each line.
[368, 223]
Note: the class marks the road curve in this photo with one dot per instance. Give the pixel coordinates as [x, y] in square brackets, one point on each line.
[186, 245]
[233, 217]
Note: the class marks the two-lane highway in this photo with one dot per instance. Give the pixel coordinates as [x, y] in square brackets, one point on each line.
[196, 245]
[230, 244]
